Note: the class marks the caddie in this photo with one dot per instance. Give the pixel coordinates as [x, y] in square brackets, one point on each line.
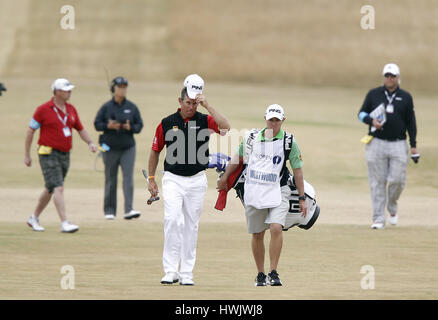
[266, 190]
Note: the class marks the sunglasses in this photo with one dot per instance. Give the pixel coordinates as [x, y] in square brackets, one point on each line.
[390, 75]
[120, 81]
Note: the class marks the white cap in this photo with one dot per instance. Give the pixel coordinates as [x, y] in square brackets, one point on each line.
[391, 68]
[194, 85]
[62, 84]
[274, 111]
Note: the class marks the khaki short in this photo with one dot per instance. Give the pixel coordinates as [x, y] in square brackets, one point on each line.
[55, 167]
[259, 220]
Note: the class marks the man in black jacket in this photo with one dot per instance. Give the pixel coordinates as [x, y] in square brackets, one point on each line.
[119, 119]
[389, 113]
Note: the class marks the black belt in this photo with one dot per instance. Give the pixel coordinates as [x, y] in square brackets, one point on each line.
[390, 139]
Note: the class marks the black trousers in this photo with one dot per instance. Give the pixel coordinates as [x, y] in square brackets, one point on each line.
[112, 160]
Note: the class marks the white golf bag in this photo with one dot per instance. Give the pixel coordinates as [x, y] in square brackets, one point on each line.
[294, 216]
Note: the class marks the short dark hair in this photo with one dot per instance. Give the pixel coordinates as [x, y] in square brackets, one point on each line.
[118, 81]
[183, 93]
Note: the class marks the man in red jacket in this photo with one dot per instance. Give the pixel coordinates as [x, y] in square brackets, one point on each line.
[55, 119]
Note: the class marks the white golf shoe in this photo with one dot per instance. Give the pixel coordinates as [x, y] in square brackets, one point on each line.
[186, 282]
[132, 214]
[34, 223]
[393, 219]
[68, 227]
[109, 217]
[378, 225]
[170, 278]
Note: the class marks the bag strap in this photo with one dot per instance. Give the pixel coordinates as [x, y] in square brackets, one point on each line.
[288, 140]
[249, 141]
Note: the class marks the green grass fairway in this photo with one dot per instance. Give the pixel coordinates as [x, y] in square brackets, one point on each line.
[122, 260]
[312, 57]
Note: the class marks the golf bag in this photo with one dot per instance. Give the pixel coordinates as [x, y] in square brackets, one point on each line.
[294, 217]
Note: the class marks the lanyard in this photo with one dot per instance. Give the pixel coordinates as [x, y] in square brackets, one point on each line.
[392, 97]
[64, 121]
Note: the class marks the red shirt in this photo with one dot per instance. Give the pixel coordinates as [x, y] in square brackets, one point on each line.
[158, 143]
[52, 133]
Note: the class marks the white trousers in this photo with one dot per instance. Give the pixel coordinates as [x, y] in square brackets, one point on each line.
[183, 202]
[387, 162]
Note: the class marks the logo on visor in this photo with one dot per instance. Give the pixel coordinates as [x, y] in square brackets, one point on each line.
[196, 87]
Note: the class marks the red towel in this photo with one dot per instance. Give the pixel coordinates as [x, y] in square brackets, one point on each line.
[222, 198]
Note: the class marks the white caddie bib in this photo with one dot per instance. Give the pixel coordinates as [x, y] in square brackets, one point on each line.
[262, 181]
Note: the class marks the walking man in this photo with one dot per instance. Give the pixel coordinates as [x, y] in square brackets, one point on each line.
[185, 134]
[119, 119]
[55, 119]
[266, 193]
[387, 149]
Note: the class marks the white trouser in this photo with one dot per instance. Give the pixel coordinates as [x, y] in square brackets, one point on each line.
[387, 162]
[183, 201]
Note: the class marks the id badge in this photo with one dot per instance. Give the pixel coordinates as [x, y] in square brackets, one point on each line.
[66, 131]
[390, 108]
